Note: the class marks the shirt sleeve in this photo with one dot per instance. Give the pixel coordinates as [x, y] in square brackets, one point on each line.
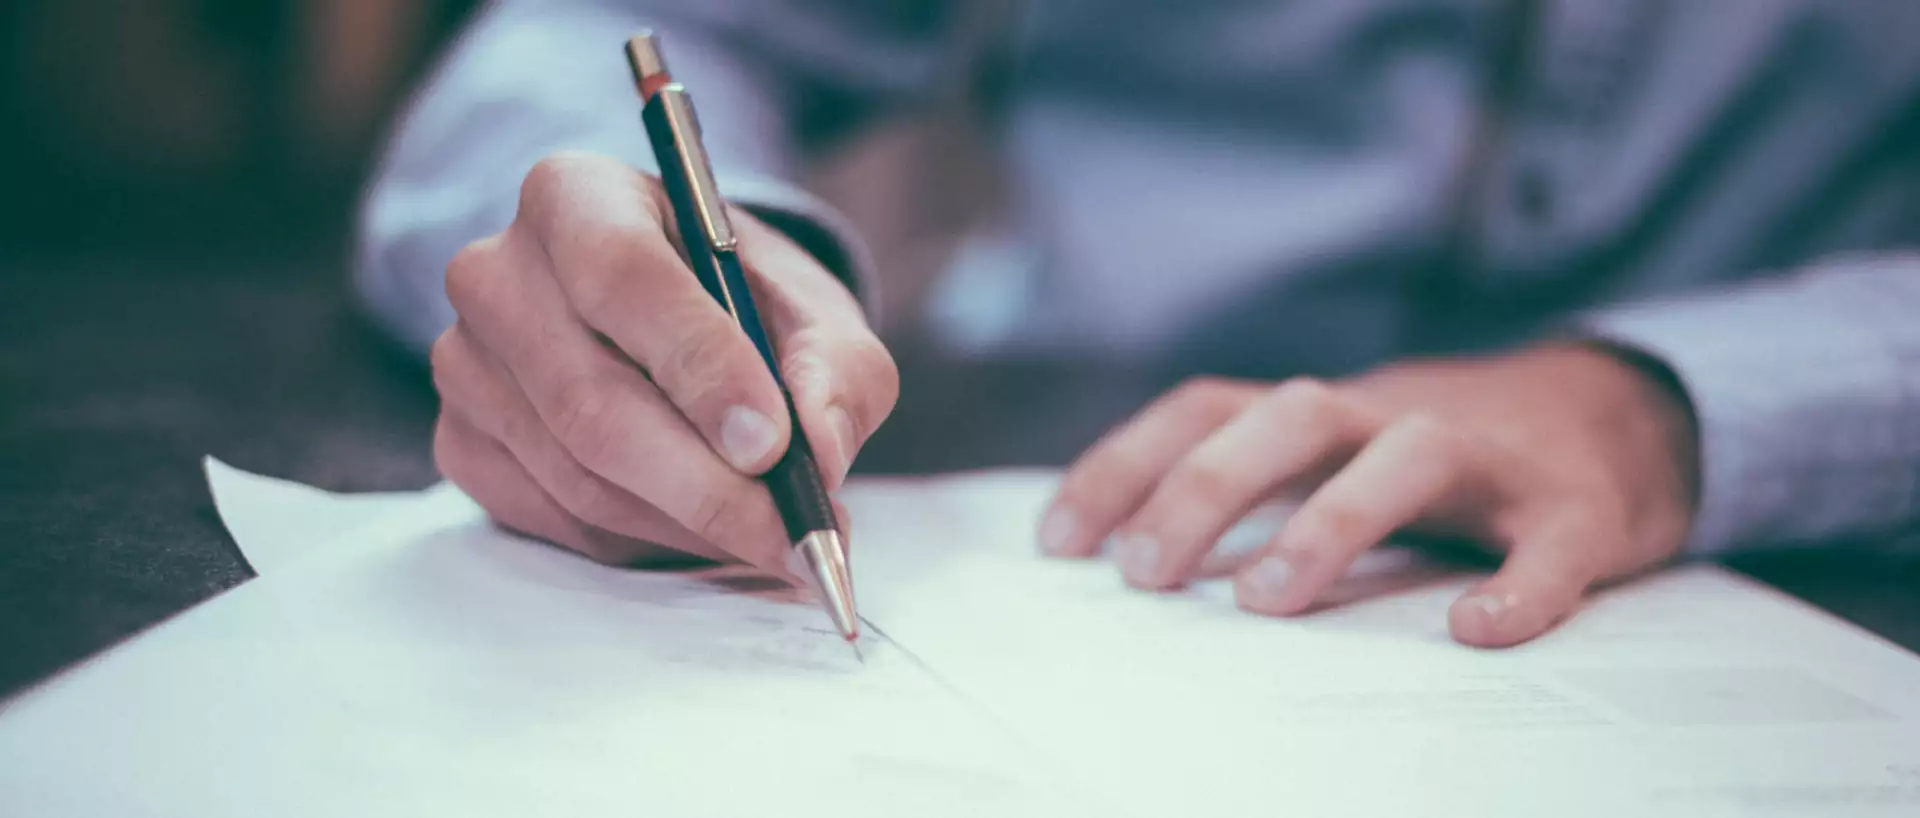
[1806, 389]
[528, 79]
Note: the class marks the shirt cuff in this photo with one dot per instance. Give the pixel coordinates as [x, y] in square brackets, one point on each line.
[1799, 409]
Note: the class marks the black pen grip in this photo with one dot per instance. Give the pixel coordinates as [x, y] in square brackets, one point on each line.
[799, 491]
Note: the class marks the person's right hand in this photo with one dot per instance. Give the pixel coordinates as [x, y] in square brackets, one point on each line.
[594, 395]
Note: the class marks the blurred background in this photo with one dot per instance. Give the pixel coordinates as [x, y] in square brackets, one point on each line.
[199, 132]
[196, 128]
[177, 180]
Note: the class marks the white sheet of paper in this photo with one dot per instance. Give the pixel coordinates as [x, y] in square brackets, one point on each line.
[1691, 693]
[276, 522]
[435, 666]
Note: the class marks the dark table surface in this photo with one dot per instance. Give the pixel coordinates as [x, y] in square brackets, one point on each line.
[116, 378]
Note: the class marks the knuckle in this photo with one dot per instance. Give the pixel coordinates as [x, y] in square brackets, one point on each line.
[1328, 523]
[1208, 396]
[608, 251]
[596, 282]
[1201, 483]
[581, 420]
[697, 363]
[1122, 460]
[548, 177]
[439, 356]
[1317, 406]
[1423, 425]
[442, 360]
[550, 185]
[615, 273]
[578, 184]
[517, 425]
[456, 456]
[878, 376]
[715, 515]
[1428, 434]
[810, 378]
[1430, 438]
[1202, 389]
[469, 274]
[1309, 397]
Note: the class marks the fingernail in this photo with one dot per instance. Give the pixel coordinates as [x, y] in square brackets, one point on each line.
[746, 437]
[842, 425]
[1139, 558]
[1056, 531]
[1265, 583]
[1492, 606]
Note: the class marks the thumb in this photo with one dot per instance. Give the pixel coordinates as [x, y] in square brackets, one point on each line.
[1540, 583]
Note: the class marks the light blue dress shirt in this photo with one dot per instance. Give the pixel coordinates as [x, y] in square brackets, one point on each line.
[1267, 187]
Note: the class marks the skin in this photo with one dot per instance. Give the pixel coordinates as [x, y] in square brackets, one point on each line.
[1575, 465]
[593, 395]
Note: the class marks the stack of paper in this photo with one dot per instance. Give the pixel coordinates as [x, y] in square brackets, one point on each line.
[429, 664]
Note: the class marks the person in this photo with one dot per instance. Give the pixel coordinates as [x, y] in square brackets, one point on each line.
[1597, 283]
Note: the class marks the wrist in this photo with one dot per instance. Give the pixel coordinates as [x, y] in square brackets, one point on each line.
[1643, 406]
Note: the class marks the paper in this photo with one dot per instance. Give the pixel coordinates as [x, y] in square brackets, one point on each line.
[1689, 693]
[277, 522]
[432, 665]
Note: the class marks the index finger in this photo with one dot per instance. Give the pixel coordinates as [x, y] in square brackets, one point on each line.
[1110, 481]
[604, 231]
[603, 411]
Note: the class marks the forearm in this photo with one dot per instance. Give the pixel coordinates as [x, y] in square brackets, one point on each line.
[1806, 390]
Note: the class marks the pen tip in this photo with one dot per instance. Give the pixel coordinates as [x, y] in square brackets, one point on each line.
[822, 558]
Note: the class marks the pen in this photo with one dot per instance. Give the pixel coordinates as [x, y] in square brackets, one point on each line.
[798, 491]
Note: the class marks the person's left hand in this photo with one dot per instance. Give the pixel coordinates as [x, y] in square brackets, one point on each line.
[1578, 465]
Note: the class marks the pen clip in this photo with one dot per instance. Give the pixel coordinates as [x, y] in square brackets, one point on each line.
[696, 167]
